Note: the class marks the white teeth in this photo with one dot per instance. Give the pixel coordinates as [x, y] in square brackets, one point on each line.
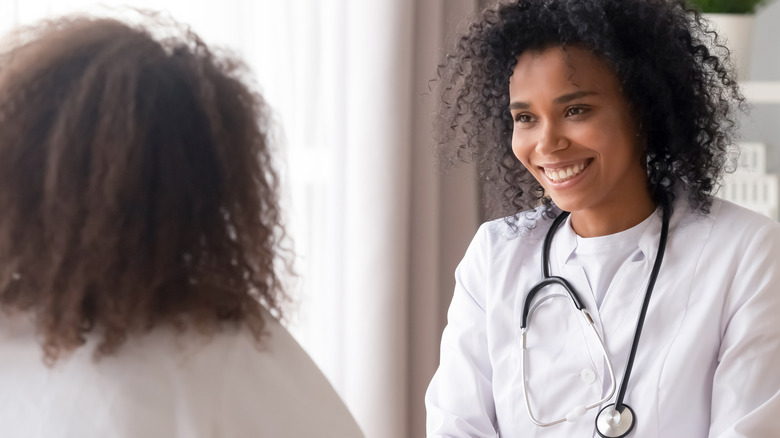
[560, 175]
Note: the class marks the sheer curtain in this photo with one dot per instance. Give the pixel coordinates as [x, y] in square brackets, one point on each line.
[377, 228]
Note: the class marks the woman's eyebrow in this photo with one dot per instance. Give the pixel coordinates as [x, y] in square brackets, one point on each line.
[572, 96]
[519, 105]
[558, 100]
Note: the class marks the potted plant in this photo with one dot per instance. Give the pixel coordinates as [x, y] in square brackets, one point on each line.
[734, 21]
[728, 6]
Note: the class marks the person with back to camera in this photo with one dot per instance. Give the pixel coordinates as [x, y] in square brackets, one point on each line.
[620, 298]
[141, 244]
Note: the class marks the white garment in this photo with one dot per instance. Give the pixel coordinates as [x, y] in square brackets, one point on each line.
[709, 357]
[603, 257]
[162, 385]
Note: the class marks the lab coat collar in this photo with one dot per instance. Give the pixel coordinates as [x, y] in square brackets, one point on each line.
[565, 241]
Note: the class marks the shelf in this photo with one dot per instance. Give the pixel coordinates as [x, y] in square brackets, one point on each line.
[762, 91]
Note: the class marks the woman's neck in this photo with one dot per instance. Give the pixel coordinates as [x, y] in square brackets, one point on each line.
[590, 223]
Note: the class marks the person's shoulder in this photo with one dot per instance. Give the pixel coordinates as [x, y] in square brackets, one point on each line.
[277, 386]
[736, 219]
[529, 225]
[728, 227]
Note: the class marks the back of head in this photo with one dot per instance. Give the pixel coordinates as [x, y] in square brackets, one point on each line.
[135, 183]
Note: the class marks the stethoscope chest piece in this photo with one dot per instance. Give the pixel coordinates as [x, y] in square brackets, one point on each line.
[613, 424]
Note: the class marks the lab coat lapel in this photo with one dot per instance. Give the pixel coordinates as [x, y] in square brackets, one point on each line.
[561, 252]
[623, 301]
[564, 244]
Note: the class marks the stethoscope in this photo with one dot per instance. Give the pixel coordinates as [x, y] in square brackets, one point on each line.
[615, 420]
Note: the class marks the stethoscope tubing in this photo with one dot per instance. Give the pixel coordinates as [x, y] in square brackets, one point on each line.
[547, 280]
[645, 305]
[523, 365]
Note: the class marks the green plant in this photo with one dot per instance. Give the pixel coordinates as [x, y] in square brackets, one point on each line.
[729, 6]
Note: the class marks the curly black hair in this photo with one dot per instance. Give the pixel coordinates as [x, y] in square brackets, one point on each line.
[672, 67]
[137, 184]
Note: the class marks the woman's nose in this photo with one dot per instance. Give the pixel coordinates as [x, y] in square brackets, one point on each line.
[552, 139]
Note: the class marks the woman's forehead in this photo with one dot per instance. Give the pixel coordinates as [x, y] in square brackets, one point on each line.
[573, 64]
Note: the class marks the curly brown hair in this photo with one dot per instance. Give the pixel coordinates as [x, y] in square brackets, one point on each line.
[672, 67]
[137, 184]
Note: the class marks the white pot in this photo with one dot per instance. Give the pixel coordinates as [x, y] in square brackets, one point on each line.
[737, 31]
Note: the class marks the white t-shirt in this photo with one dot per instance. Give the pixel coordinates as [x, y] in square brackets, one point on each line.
[169, 386]
[603, 257]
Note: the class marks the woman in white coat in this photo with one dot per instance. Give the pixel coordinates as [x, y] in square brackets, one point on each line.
[140, 244]
[619, 113]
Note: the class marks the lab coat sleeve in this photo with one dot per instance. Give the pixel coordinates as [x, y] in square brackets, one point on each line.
[746, 386]
[459, 400]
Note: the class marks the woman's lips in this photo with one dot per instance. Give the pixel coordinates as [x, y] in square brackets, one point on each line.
[562, 174]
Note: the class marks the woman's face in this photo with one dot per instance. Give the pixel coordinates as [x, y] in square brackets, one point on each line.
[574, 131]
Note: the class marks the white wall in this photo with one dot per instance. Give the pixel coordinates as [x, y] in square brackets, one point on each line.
[763, 122]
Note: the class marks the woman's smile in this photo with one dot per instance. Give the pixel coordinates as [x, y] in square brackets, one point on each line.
[564, 173]
[575, 133]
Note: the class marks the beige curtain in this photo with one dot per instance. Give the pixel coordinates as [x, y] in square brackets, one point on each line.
[444, 209]
[405, 223]
[401, 252]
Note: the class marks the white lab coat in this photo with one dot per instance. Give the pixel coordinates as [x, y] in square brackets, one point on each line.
[169, 385]
[708, 363]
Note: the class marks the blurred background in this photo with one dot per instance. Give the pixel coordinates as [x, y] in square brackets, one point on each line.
[377, 226]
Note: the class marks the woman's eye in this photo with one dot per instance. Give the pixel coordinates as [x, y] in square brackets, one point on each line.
[523, 118]
[576, 111]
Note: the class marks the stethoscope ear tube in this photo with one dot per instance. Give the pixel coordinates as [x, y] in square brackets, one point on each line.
[548, 241]
[549, 281]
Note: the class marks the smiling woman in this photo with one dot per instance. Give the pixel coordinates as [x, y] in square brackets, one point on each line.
[636, 303]
[680, 101]
[575, 133]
